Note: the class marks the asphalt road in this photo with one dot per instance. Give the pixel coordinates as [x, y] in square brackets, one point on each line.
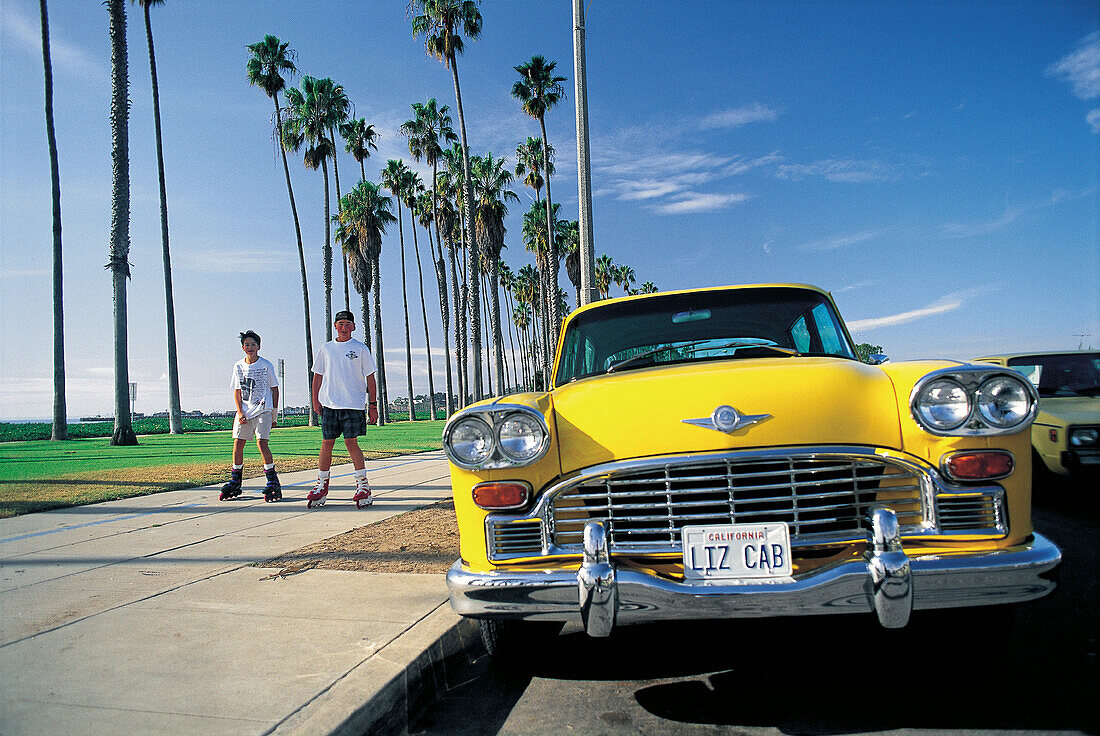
[1032, 670]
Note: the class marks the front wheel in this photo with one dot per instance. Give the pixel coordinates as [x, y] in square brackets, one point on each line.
[512, 642]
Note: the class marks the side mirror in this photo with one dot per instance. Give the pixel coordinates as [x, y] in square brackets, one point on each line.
[877, 359]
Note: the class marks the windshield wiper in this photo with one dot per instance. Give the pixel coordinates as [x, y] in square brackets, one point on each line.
[649, 354]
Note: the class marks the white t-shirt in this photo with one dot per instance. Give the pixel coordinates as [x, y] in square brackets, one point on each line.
[255, 382]
[345, 367]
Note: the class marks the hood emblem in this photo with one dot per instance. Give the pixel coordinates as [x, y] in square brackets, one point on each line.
[727, 419]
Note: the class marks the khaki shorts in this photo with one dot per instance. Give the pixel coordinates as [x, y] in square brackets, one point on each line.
[258, 426]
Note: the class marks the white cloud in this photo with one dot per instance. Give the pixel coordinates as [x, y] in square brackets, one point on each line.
[699, 202]
[945, 304]
[838, 170]
[754, 113]
[841, 241]
[1081, 68]
[1093, 119]
[65, 57]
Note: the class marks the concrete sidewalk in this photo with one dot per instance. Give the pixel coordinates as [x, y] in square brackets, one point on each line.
[146, 616]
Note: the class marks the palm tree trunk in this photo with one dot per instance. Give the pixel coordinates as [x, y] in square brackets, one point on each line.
[488, 320]
[459, 332]
[424, 314]
[301, 265]
[383, 399]
[511, 336]
[175, 418]
[327, 254]
[441, 280]
[405, 304]
[60, 429]
[494, 314]
[551, 242]
[465, 309]
[339, 205]
[120, 218]
[471, 243]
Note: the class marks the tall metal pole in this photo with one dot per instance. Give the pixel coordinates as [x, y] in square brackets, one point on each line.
[584, 176]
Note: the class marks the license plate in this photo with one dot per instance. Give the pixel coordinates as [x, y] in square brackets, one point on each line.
[735, 551]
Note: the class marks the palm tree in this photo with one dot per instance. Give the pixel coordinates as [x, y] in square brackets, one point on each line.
[269, 61]
[605, 273]
[647, 288]
[417, 200]
[527, 292]
[535, 239]
[429, 129]
[309, 117]
[175, 418]
[368, 212]
[529, 161]
[443, 24]
[448, 229]
[539, 90]
[490, 184]
[119, 255]
[398, 179]
[570, 245]
[624, 277]
[360, 138]
[508, 283]
[60, 429]
[424, 212]
[341, 109]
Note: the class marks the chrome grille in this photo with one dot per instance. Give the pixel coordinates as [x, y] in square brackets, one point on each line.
[513, 537]
[971, 513]
[822, 498]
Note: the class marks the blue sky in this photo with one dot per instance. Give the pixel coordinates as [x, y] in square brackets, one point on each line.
[935, 165]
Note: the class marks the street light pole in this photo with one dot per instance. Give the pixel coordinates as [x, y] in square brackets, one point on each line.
[584, 176]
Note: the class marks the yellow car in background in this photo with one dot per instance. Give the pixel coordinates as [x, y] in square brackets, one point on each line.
[722, 453]
[1066, 432]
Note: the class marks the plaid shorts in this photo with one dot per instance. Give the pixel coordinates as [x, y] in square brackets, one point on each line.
[348, 422]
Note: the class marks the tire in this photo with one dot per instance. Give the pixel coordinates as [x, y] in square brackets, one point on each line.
[509, 642]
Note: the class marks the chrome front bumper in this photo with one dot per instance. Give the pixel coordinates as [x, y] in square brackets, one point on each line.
[886, 581]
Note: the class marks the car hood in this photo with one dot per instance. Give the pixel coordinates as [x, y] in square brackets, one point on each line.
[1066, 410]
[641, 413]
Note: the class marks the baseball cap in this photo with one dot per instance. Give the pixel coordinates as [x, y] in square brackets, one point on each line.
[344, 314]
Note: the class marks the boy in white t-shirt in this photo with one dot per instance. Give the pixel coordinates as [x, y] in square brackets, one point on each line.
[256, 394]
[343, 377]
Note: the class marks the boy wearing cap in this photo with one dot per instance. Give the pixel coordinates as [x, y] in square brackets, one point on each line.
[343, 379]
[256, 395]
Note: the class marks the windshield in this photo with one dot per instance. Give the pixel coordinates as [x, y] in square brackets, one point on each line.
[1062, 374]
[701, 325]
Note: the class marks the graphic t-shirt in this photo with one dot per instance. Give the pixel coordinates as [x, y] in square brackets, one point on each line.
[345, 367]
[255, 382]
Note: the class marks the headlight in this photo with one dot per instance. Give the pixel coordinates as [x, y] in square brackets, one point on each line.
[492, 436]
[943, 404]
[1084, 437]
[973, 401]
[1003, 402]
[470, 441]
[521, 437]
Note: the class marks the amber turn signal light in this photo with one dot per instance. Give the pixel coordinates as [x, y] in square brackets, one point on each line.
[503, 495]
[984, 465]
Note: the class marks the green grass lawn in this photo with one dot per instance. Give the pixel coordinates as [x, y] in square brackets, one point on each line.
[40, 475]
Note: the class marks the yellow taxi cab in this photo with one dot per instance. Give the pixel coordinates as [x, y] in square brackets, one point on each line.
[722, 453]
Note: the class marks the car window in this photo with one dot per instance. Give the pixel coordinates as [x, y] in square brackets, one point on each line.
[828, 330]
[698, 326]
[1061, 374]
[800, 335]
